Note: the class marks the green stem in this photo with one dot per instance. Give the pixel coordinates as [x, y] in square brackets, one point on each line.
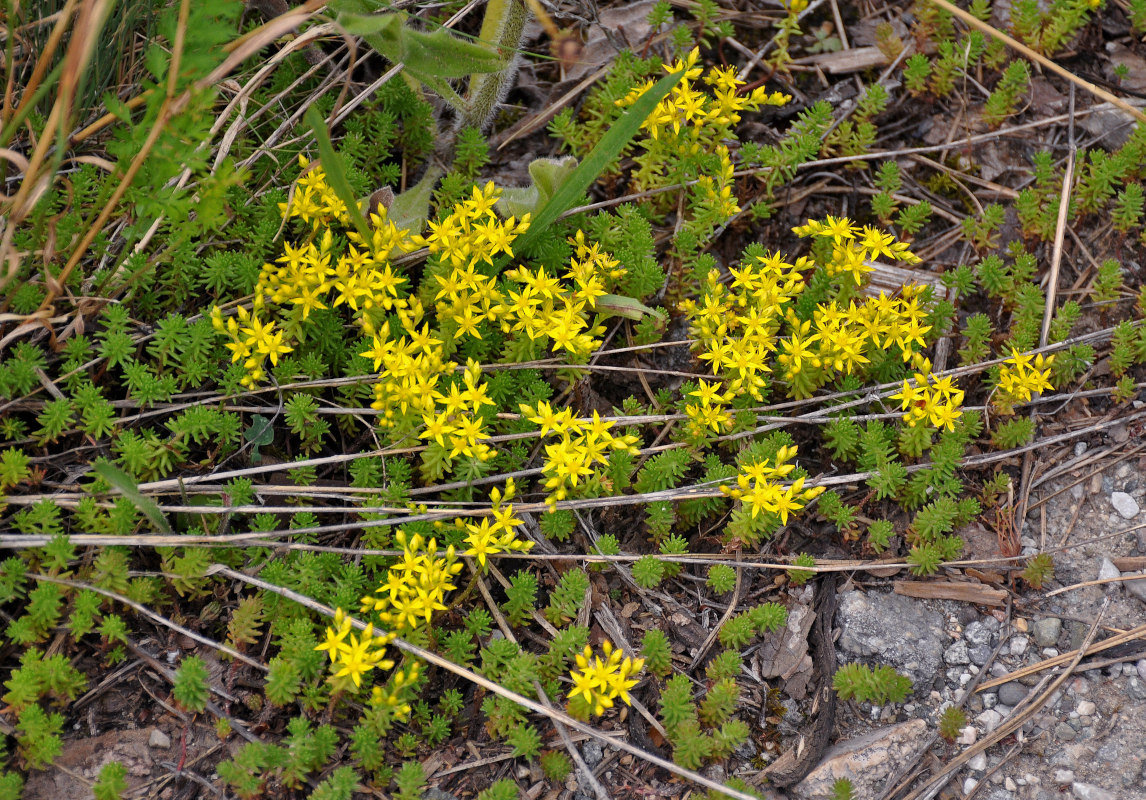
[502, 27]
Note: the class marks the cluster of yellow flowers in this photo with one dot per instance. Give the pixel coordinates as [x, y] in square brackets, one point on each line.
[488, 538]
[1020, 377]
[694, 119]
[454, 416]
[759, 487]
[355, 655]
[739, 325]
[853, 250]
[547, 307]
[599, 682]
[300, 281]
[710, 410]
[251, 341]
[471, 235]
[690, 122]
[416, 387]
[581, 445]
[352, 656]
[416, 586]
[930, 400]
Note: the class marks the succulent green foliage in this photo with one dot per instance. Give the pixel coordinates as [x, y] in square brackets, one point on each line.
[952, 722]
[111, 784]
[1039, 569]
[879, 686]
[191, 687]
[721, 578]
[520, 598]
[568, 597]
[657, 651]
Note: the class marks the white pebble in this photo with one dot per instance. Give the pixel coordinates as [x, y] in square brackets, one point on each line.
[1124, 504]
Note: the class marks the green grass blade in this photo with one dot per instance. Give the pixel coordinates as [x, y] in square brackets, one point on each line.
[123, 483]
[335, 174]
[611, 144]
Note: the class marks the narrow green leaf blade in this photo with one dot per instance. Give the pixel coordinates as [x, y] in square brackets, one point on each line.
[599, 158]
[335, 174]
[618, 305]
[123, 483]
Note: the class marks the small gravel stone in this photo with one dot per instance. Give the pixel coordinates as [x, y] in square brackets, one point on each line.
[989, 719]
[980, 655]
[978, 763]
[1019, 645]
[1064, 732]
[592, 752]
[1046, 631]
[969, 786]
[159, 740]
[1136, 689]
[1107, 570]
[434, 793]
[990, 699]
[1012, 693]
[1124, 504]
[1063, 776]
[1141, 667]
[1086, 708]
[1088, 791]
[976, 634]
[957, 654]
[1079, 448]
[1137, 587]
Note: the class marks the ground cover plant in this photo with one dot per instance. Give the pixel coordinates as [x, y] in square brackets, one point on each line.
[362, 440]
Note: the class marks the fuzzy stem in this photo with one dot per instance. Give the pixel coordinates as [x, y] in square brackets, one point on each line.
[502, 27]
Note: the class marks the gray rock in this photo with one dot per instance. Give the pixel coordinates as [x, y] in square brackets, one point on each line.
[1137, 587]
[434, 793]
[897, 630]
[1136, 689]
[1012, 693]
[1064, 733]
[1064, 776]
[592, 752]
[1079, 448]
[978, 763]
[1124, 504]
[989, 719]
[1088, 791]
[1140, 665]
[981, 654]
[957, 654]
[1019, 645]
[159, 740]
[977, 634]
[715, 772]
[867, 761]
[1045, 631]
[1107, 570]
